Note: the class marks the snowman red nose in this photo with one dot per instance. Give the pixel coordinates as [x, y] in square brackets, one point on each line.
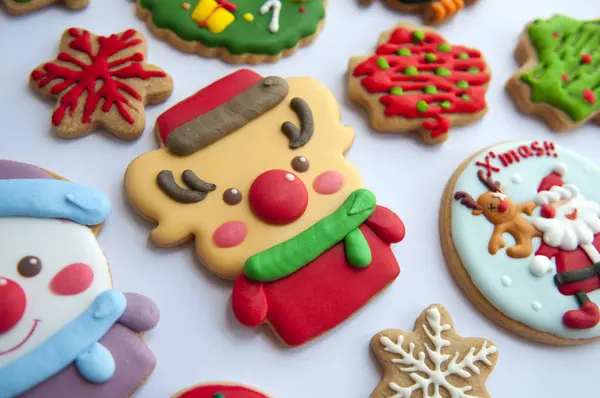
[12, 304]
[278, 197]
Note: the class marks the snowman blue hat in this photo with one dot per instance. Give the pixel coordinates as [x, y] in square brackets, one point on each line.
[28, 191]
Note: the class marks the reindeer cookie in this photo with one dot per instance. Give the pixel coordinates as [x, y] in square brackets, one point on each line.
[18, 7]
[434, 12]
[532, 263]
[253, 169]
[64, 331]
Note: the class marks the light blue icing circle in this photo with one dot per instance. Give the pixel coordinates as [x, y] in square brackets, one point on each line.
[505, 282]
[96, 364]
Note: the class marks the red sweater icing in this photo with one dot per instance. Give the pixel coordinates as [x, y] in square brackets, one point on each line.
[571, 261]
[458, 84]
[227, 391]
[325, 292]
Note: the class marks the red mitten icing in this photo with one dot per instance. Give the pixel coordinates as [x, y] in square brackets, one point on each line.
[387, 225]
[586, 317]
[249, 302]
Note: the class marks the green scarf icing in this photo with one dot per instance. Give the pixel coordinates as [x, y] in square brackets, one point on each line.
[241, 36]
[288, 257]
[562, 77]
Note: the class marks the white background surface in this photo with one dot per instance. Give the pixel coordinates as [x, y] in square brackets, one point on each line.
[198, 338]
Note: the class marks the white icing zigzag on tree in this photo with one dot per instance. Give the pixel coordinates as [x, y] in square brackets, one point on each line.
[436, 376]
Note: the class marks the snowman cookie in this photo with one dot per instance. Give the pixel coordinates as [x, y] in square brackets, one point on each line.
[253, 169]
[220, 390]
[520, 228]
[18, 7]
[64, 331]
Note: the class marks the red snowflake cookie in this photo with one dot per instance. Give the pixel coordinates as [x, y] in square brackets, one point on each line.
[101, 81]
[417, 81]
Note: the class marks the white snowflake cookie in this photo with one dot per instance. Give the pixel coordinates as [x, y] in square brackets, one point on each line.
[433, 361]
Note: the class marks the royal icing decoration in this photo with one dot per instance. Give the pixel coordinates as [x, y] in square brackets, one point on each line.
[277, 226]
[560, 76]
[237, 31]
[50, 261]
[434, 11]
[554, 218]
[417, 81]
[433, 360]
[101, 81]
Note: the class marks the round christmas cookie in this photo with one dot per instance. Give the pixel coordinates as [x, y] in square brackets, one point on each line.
[19, 7]
[520, 229]
[251, 31]
[220, 390]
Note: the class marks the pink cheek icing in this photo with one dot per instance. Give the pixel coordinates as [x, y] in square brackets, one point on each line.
[72, 279]
[230, 234]
[328, 183]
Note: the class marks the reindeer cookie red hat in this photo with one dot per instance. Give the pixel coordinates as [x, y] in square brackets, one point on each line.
[547, 197]
[253, 169]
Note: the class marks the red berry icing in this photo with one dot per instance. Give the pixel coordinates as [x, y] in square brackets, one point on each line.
[302, 9]
[589, 96]
[556, 35]
[448, 80]
[12, 304]
[565, 77]
[74, 78]
[586, 59]
[278, 197]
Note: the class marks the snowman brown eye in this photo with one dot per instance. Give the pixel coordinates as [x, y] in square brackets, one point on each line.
[300, 164]
[29, 266]
[232, 196]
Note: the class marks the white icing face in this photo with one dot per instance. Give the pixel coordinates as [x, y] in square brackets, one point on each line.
[32, 253]
[575, 222]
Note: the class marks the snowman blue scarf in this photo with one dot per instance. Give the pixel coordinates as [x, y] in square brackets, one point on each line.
[76, 343]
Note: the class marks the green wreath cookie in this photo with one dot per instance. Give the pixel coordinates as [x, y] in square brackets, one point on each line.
[248, 31]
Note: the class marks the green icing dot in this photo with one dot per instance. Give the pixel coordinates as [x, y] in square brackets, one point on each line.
[418, 35]
[462, 84]
[473, 70]
[445, 104]
[463, 56]
[411, 71]
[422, 106]
[430, 89]
[445, 47]
[442, 72]
[383, 63]
[404, 51]
[465, 97]
[430, 57]
[219, 395]
[396, 91]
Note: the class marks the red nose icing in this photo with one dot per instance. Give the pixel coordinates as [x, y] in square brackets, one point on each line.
[548, 211]
[12, 304]
[503, 206]
[278, 197]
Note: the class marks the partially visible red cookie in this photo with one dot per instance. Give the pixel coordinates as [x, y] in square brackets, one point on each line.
[220, 390]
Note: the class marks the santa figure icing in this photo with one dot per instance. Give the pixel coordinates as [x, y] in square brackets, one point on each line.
[571, 235]
[64, 332]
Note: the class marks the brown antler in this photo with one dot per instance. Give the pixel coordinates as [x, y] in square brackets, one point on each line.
[492, 186]
[467, 200]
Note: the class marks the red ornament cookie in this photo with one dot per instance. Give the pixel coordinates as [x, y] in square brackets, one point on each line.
[101, 81]
[417, 81]
[18, 7]
[253, 169]
[220, 390]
